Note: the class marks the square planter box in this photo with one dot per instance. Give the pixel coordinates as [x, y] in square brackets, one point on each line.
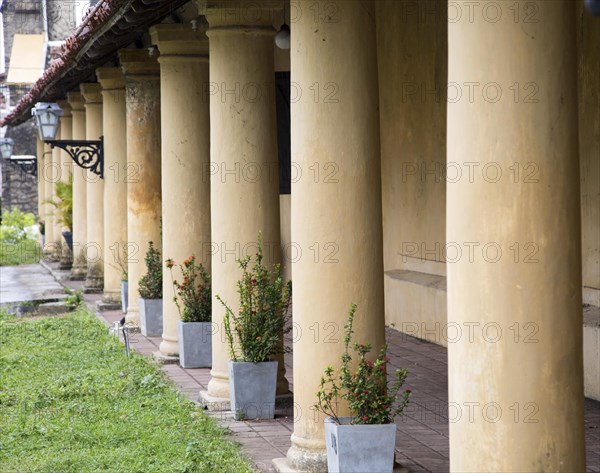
[195, 344]
[151, 317]
[124, 295]
[359, 448]
[252, 387]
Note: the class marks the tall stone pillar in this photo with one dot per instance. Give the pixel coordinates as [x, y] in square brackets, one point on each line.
[50, 175]
[39, 151]
[55, 172]
[79, 269]
[92, 93]
[185, 129]
[66, 171]
[245, 181]
[516, 373]
[115, 182]
[336, 222]
[142, 88]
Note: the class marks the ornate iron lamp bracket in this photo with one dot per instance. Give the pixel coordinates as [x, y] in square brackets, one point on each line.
[86, 154]
[28, 166]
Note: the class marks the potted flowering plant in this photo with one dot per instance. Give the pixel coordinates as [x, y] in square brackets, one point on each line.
[363, 442]
[254, 337]
[121, 259]
[193, 300]
[150, 289]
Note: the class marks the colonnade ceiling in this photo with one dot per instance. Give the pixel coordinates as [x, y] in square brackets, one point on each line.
[110, 26]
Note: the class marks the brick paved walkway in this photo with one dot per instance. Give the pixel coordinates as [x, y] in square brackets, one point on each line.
[422, 440]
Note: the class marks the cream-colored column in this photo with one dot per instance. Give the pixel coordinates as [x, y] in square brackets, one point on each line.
[185, 129]
[115, 180]
[56, 172]
[142, 86]
[50, 175]
[336, 221]
[66, 170]
[515, 374]
[92, 93]
[79, 269]
[588, 34]
[39, 150]
[245, 181]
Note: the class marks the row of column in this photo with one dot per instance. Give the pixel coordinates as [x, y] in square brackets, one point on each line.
[164, 126]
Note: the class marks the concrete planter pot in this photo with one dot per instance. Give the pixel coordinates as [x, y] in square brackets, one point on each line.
[195, 344]
[359, 448]
[68, 236]
[151, 317]
[252, 387]
[124, 295]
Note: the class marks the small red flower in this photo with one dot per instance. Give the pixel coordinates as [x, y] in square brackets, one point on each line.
[365, 418]
[170, 263]
[408, 391]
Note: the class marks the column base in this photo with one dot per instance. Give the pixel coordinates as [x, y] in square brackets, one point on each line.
[94, 280]
[111, 300]
[169, 348]
[164, 359]
[281, 465]
[108, 305]
[133, 328]
[89, 288]
[79, 269]
[65, 264]
[65, 258]
[132, 317]
[211, 403]
[50, 256]
[305, 455]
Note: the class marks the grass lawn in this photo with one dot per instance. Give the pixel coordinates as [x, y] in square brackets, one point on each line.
[71, 401]
[25, 252]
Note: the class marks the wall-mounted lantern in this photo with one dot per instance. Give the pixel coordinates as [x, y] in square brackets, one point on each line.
[6, 147]
[27, 164]
[88, 154]
[593, 6]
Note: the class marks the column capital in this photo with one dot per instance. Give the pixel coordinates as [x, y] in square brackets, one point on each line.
[66, 107]
[136, 62]
[92, 93]
[76, 101]
[110, 78]
[180, 40]
[248, 17]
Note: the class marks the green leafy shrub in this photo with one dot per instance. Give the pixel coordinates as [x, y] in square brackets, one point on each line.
[14, 226]
[64, 204]
[74, 299]
[364, 387]
[261, 320]
[193, 291]
[151, 282]
[17, 239]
